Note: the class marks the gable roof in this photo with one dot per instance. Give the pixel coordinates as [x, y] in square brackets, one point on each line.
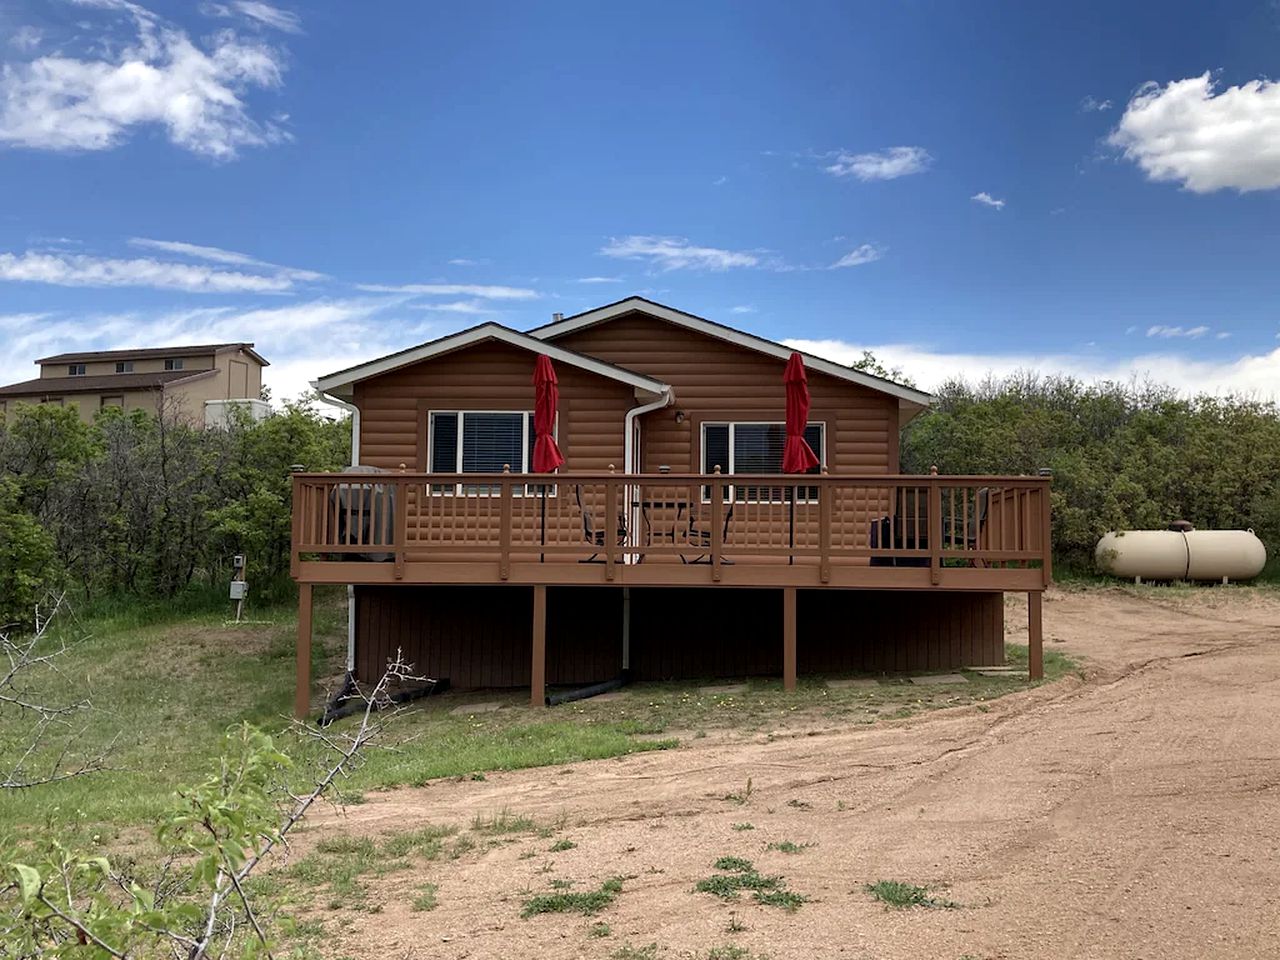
[910, 398]
[101, 383]
[150, 353]
[341, 383]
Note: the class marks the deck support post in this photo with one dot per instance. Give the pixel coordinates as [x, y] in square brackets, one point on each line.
[302, 692]
[788, 638]
[1035, 636]
[538, 673]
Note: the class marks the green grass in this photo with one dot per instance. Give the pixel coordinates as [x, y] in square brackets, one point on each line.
[599, 930]
[734, 865]
[587, 902]
[503, 822]
[743, 826]
[561, 845]
[895, 893]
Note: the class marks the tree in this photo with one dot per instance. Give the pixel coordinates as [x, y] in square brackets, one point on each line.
[27, 566]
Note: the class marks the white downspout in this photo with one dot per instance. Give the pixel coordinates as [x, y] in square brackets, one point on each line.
[630, 454]
[352, 409]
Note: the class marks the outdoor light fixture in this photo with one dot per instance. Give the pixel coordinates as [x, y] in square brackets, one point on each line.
[679, 416]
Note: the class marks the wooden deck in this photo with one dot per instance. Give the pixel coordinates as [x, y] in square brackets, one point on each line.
[871, 532]
[901, 533]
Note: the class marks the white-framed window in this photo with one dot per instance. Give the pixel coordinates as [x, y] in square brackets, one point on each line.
[481, 441]
[124, 366]
[75, 370]
[173, 363]
[756, 447]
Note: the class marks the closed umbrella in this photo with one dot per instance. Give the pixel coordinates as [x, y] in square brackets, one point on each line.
[797, 455]
[546, 455]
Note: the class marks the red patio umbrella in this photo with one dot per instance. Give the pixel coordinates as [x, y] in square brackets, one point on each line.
[546, 455]
[797, 455]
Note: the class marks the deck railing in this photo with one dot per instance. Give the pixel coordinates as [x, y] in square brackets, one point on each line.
[716, 520]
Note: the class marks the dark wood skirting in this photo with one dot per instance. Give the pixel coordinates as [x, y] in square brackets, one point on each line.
[480, 636]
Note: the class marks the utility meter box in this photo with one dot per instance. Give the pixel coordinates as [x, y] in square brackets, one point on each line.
[239, 589]
[237, 562]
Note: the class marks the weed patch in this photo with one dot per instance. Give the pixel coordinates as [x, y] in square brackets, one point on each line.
[426, 898]
[503, 822]
[895, 893]
[627, 952]
[786, 846]
[738, 875]
[561, 845]
[586, 902]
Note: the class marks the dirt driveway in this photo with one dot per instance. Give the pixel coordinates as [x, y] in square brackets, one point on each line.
[1134, 814]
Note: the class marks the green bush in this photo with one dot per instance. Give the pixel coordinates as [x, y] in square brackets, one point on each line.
[1123, 456]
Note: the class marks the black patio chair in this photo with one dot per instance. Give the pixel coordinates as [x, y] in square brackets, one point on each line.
[597, 538]
[701, 539]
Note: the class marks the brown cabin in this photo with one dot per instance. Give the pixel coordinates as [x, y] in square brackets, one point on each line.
[669, 544]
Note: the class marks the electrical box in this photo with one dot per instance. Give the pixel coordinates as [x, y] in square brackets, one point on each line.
[237, 562]
[239, 589]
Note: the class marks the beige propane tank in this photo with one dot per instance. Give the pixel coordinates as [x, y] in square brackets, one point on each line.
[1182, 555]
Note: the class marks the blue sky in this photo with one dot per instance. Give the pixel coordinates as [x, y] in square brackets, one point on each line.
[961, 187]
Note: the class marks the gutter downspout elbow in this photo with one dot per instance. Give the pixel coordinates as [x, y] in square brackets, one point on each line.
[628, 427]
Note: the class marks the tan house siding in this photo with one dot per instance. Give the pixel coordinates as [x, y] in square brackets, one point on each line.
[717, 380]
[151, 365]
[488, 376]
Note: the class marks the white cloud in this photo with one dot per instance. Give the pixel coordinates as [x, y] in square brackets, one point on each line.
[26, 38]
[677, 253]
[466, 262]
[1091, 105]
[867, 253]
[78, 270]
[1205, 140]
[260, 13]
[987, 200]
[599, 280]
[1168, 333]
[458, 306]
[218, 255]
[719, 181]
[744, 308]
[159, 78]
[1256, 374]
[888, 164]
[453, 290]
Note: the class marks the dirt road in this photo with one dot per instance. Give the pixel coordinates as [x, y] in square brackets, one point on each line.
[1133, 814]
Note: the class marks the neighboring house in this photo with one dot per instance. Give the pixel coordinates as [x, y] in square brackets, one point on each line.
[198, 382]
[669, 544]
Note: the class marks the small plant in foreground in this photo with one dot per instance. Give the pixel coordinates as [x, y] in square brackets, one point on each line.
[561, 845]
[895, 893]
[744, 826]
[589, 902]
[426, 898]
[627, 952]
[740, 798]
[599, 930]
[786, 846]
[741, 875]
